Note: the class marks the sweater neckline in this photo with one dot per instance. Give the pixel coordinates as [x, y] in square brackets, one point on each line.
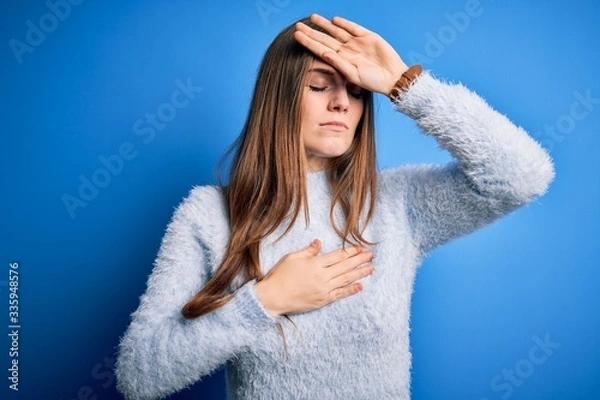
[317, 173]
[318, 182]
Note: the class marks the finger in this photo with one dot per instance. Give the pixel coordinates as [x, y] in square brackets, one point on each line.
[351, 27]
[312, 249]
[337, 32]
[315, 40]
[350, 277]
[346, 291]
[344, 66]
[348, 264]
[339, 255]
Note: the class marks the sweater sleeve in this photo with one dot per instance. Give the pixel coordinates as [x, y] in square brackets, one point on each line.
[497, 166]
[161, 352]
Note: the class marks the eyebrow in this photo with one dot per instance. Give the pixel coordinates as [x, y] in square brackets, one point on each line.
[325, 71]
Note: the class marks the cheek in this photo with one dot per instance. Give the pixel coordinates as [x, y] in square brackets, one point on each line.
[310, 107]
[357, 112]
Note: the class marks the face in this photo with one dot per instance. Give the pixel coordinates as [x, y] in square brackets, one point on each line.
[330, 112]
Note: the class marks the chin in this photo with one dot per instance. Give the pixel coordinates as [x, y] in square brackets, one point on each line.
[327, 152]
[333, 154]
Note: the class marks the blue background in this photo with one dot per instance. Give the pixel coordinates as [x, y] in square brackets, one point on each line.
[479, 302]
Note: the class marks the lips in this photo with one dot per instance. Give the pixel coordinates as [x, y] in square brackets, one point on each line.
[335, 125]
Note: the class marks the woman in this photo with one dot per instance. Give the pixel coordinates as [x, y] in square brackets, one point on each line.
[298, 275]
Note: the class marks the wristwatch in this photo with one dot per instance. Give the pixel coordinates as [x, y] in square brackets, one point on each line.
[404, 82]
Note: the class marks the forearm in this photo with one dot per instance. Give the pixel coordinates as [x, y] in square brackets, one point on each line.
[161, 354]
[161, 351]
[499, 158]
[498, 166]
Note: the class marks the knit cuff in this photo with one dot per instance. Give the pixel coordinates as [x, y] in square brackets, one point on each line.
[413, 101]
[251, 313]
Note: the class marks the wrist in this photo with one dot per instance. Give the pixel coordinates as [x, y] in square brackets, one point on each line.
[405, 81]
[264, 296]
[395, 75]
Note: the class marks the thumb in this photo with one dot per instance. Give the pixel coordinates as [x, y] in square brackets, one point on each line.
[314, 248]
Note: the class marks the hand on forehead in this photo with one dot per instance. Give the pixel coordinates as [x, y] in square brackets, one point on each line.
[360, 55]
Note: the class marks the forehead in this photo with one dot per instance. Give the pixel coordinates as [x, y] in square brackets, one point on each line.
[318, 66]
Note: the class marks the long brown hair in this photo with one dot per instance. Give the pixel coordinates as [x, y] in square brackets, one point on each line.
[267, 180]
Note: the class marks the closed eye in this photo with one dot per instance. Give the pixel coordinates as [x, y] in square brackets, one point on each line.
[354, 91]
[317, 88]
[356, 95]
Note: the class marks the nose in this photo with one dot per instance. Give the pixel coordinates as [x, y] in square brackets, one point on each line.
[339, 100]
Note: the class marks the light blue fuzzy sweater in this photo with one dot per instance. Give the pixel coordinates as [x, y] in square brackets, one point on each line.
[358, 347]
